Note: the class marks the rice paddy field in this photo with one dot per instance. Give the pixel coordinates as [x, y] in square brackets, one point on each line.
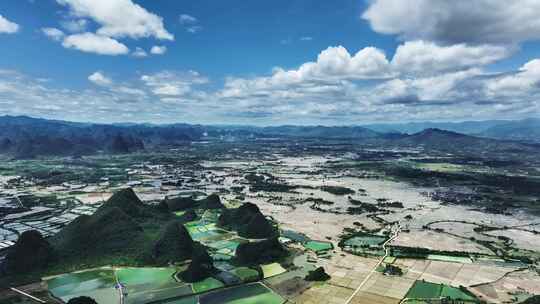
[423, 290]
[206, 285]
[368, 240]
[142, 284]
[255, 293]
[318, 246]
[98, 284]
[246, 274]
[271, 270]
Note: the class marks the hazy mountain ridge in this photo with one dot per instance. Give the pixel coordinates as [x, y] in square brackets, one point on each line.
[26, 137]
[522, 130]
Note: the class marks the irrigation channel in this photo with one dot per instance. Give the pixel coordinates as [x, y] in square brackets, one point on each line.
[395, 232]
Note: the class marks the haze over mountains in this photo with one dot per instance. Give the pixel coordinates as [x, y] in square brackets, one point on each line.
[26, 137]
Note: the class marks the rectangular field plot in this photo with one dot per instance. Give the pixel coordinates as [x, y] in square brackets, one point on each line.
[151, 284]
[150, 296]
[368, 240]
[450, 258]
[248, 294]
[370, 298]
[145, 276]
[246, 274]
[98, 284]
[142, 285]
[422, 290]
[271, 270]
[388, 286]
[206, 285]
[188, 300]
[318, 246]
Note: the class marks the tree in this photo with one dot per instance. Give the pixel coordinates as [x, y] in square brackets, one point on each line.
[317, 275]
[82, 300]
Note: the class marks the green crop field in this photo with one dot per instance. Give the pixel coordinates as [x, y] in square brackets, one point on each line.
[449, 258]
[271, 270]
[147, 296]
[142, 285]
[456, 294]
[147, 275]
[246, 274]
[318, 246]
[424, 290]
[98, 284]
[188, 300]
[206, 285]
[249, 294]
[427, 290]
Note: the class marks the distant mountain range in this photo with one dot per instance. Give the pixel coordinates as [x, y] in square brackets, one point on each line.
[522, 130]
[453, 142]
[26, 137]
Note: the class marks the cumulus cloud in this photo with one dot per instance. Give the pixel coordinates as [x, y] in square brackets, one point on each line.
[53, 33]
[158, 50]
[7, 26]
[119, 18]
[524, 82]
[334, 63]
[167, 83]
[336, 66]
[422, 56]
[477, 22]
[139, 52]
[100, 79]
[92, 43]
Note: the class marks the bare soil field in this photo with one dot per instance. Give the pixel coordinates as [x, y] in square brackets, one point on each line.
[454, 274]
[522, 239]
[395, 287]
[516, 282]
[364, 297]
[438, 241]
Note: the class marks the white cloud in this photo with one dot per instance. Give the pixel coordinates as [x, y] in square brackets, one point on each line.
[92, 43]
[480, 21]
[75, 25]
[524, 82]
[7, 26]
[158, 50]
[100, 79]
[428, 57]
[139, 52]
[187, 19]
[190, 23]
[120, 18]
[167, 83]
[53, 33]
[334, 64]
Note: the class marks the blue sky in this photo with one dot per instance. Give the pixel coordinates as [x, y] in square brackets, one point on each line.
[269, 62]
